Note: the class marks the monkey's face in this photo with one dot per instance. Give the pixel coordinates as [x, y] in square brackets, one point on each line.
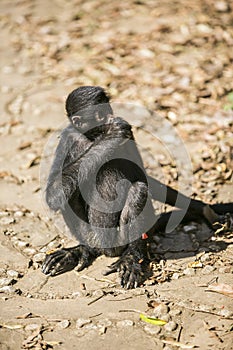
[88, 121]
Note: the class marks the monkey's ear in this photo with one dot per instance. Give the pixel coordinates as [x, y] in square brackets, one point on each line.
[75, 119]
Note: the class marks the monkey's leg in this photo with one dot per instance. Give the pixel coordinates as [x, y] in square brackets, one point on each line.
[168, 195]
[66, 259]
[133, 263]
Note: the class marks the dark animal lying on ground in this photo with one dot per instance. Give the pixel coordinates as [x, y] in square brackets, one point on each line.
[99, 184]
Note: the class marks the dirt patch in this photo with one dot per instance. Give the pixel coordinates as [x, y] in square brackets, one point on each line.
[174, 58]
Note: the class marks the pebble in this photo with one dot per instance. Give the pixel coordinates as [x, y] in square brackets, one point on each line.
[21, 244]
[152, 330]
[170, 326]
[32, 327]
[160, 310]
[6, 281]
[221, 6]
[18, 213]
[225, 269]
[189, 271]
[39, 257]
[98, 293]
[2, 271]
[226, 313]
[208, 269]
[63, 324]
[12, 273]
[104, 323]
[102, 330]
[205, 257]
[175, 312]
[29, 251]
[175, 276]
[7, 221]
[82, 322]
[125, 323]
[7, 289]
[165, 317]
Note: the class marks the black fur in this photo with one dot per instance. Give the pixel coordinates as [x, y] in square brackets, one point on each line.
[99, 184]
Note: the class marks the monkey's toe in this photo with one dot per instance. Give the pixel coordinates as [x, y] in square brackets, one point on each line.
[130, 272]
[59, 262]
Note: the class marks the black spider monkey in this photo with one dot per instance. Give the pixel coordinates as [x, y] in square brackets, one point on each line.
[99, 184]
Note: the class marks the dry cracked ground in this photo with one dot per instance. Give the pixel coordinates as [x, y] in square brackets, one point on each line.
[175, 59]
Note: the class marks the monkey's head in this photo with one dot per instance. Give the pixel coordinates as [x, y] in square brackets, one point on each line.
[88, 107]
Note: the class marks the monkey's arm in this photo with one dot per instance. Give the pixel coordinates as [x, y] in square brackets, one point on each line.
[65, 180]
[72, 145]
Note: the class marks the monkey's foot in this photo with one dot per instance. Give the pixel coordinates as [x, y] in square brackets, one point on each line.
[67, 259]
[131, 271]
[224, 224]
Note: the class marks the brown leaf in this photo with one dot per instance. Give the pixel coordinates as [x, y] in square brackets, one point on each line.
[221, 288]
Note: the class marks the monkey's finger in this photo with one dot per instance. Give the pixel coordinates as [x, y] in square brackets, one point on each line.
[50, 261]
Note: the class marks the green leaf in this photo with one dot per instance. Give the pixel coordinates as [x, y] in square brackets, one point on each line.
[152, 320]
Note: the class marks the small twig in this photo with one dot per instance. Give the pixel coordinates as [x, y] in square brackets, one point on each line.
[96, 299]
[96, 315]
[131, 310]
[212, 332]
[176, 343]
[179, 334]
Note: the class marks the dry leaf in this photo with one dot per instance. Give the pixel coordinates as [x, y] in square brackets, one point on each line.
[221, 288]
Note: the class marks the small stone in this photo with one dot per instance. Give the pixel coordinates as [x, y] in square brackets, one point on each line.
[104, 323]
[221, 6]
[32, 327]
[91, 326]
[29, 251]
[102, 330]
[98, 293]
[152, 330]
[6, 281]
[39, 257]
[7, 220]
[175, 276]
[165, 317]
[161, 309]
[125, 323]
[77, 294]
[12, 273]
[82, 322]
[205, 257]
[18, 213]
[175, 312]
[189, 271]
[225, 269]
[2, 271]
[226, 313]
[208, 269]
[64, 324]
[21, 244]
[170, 326]
[7, 289]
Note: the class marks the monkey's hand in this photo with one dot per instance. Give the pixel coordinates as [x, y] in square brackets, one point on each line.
[119, 128]
[67, 259]
[131, 270]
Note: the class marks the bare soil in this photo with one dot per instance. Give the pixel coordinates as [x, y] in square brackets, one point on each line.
[172, 57]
